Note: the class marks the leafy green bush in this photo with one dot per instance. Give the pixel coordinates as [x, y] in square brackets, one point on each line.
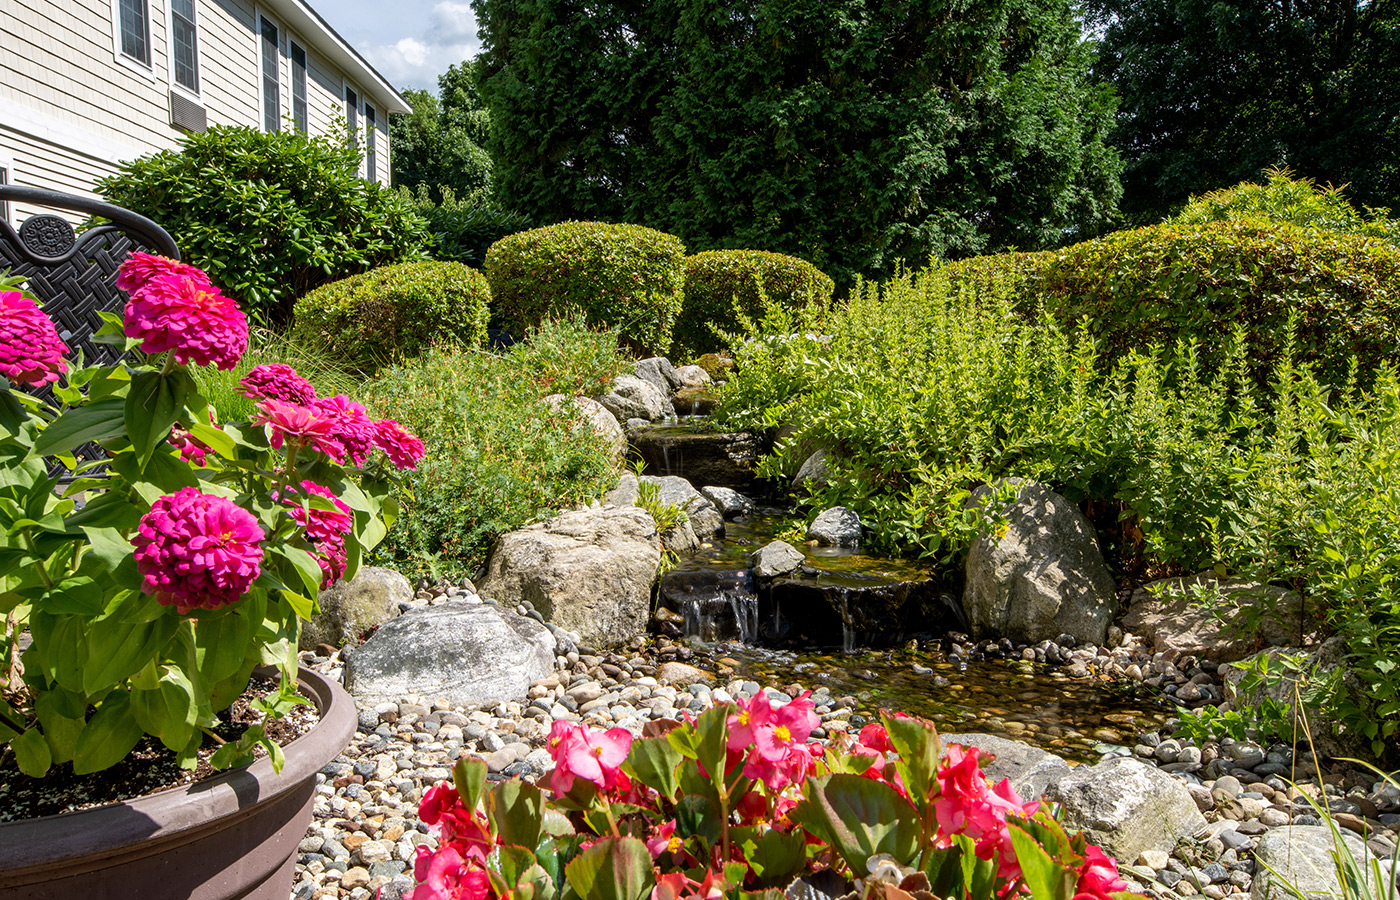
[497, 457]
[717, 282]
[1198, 282]
[464, 228]
[266, 346]
[623, 276]
[1294, 201]
[394, 311]
[269, 216]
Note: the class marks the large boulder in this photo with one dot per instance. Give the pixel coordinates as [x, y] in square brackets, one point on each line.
[1126, 806]
[469, 653]
[633, 398]
[590, 571]
[812, 473]
[728, 501]
[1302, 856]
[836, 527]
[1042, 577]
[1221, 619]
[705, 518]
[351, 608]
[604, 423]
[1317, 665]
[1029, 769]
[776, 558]
[658, 372]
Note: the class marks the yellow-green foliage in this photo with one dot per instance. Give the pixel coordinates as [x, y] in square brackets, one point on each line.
[1295, 201]
[622, 276]
[1166, 282]
[394, 312]
[719, 282]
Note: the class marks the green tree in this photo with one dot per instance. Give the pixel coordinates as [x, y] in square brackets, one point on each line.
[1214, 91]
[442, 143]
[846, 133]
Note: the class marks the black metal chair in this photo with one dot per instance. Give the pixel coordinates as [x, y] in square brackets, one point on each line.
[74, 275]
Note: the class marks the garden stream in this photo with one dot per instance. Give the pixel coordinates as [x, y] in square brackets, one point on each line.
[887, 633]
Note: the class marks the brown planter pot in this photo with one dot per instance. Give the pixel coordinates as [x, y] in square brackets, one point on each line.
[231, 836]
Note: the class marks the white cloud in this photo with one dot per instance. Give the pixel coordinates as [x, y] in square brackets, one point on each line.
[418, 61]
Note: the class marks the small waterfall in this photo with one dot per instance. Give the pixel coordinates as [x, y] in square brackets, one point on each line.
[745, 607]
[848, 637]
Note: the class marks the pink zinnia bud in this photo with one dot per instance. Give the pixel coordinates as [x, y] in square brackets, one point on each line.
[300, 425]
[189, 317]
[277, 381]
[197, 551]
[351, 426]
[30, 350]
[140, 268]
[325, 529]
[402, 446]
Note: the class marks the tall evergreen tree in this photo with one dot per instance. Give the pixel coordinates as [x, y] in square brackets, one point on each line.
[851, 133]
[1214, 91]
[443, 141]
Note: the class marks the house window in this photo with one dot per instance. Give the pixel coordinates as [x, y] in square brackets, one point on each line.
[135, 23]
[352, 116]
[370, 170]
[184, 45]
[298, 54]
[4, 204]
[272, 101]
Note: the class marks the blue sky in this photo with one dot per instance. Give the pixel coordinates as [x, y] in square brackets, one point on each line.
[410, 42]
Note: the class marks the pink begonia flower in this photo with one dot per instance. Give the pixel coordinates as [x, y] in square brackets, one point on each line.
[665, 840]
[30, 350]
[300, 425]
[351, 426]
[402, 446]
[752, 716]
[583, 752]
[197, 551]
[189, 317]
[140, 268]
[445, 875]
[277, 381]
[326, 530]
[441, 796]
[1098, 879]
[968, 805]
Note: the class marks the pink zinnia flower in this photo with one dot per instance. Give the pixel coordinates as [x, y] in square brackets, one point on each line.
[189, 317]
[197, 551]
[326, 530]
[277, 381]
[351, 426]
[138, 269]
[402, 446]
[30, 350]
[302, 426]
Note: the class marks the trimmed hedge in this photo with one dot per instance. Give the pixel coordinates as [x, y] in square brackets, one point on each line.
[718, 281]
[622, 276]
[394, 312]
[464, 228]
[1168, 282]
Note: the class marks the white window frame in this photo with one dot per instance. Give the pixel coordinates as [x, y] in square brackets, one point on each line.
[291, 86]
[352, 129]
[7, 176]
[198, 53]
[369, 119]
[130, 63]
[258, 15]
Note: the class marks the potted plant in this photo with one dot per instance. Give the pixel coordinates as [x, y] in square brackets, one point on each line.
[738, 804]
[139, 592]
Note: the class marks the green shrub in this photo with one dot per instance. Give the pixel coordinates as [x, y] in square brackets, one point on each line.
[1289, 200]
[1163, 283]
[269, 216]
[623, 276]
[266, 346]
[464, 228]
[497, 458]
[719, 282]
[394, 311]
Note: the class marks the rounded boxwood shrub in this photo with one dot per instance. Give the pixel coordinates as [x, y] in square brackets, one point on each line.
[718, 281]
[623, 276]
[394, 311]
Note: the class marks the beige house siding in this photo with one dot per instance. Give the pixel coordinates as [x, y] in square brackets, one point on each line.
[72, 107]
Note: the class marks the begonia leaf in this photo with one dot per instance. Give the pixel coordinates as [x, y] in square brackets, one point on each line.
[860, 818]
[612, 869]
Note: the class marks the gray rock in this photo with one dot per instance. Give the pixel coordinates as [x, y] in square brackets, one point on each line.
[812, 473]
[691, 377]
[658, 372]
[680, 674]
[1219, 619]
[728, 501]
[1126, 806]
[588, 571]
[1029, 769]
[468, 653]
[774, 559]
[1302, 855]
[705, 518]
[1328, 738]
[350, 608]
[604, 423]
[1043, 577]
[633, 398]
[836, 527]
